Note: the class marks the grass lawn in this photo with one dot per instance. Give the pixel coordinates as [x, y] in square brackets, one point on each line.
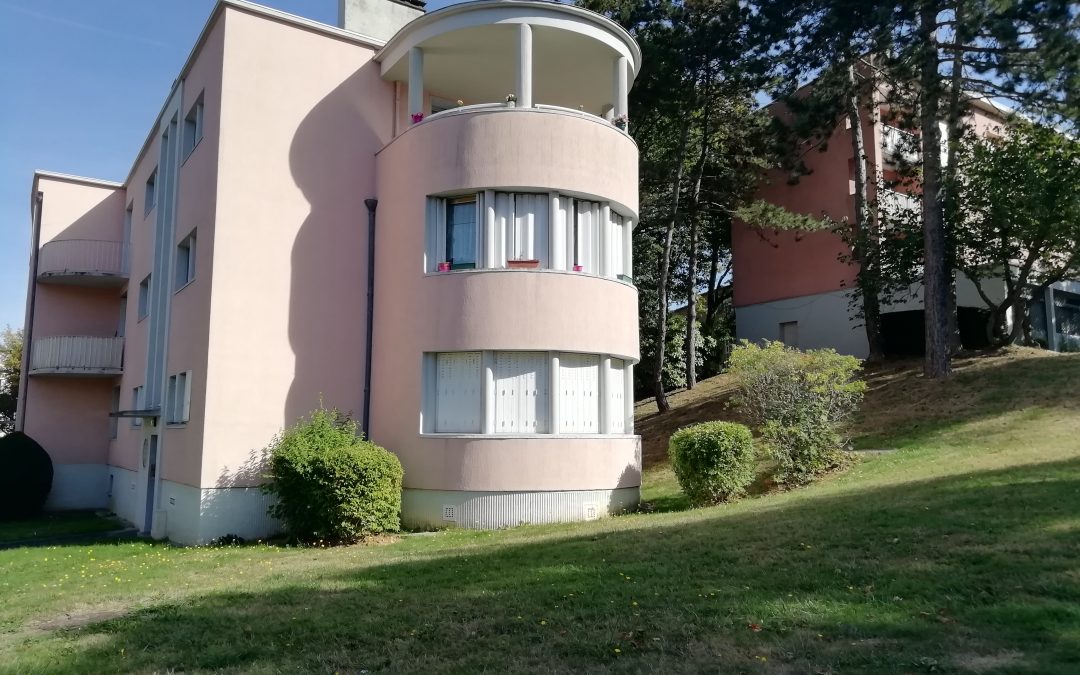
[959, 551]
[57, 525]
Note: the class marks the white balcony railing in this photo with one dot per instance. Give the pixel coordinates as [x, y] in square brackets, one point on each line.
[898, 205]
[77, 355]
[90, 260]
[899, 144]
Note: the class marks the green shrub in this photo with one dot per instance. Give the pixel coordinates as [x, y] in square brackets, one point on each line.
[799, 402]
[714, 461]
[330, 484]
[26, 475]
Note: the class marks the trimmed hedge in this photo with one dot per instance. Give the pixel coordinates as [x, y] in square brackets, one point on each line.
[332, 485]
[26, 474]
[714, 461]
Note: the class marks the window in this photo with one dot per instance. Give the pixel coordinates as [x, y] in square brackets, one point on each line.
[144, 298]
[178, 398]
[789, 333]
[138, 398]
[151, 192]
[114, 422]
[579, 393]
[521, 392]
[527, 237]
[587, 237]
[526, 392]
[193, 127]
[461, 233]
[617, 247]
[185, 261]
[125, 250]
[458, 390]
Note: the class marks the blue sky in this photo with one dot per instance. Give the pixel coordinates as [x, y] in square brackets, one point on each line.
[82, 82]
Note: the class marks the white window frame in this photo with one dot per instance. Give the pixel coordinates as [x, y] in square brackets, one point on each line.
[178, 399]
[138, 398]
[185, 260]
[193, 127]
[150, 195]
[144, 297]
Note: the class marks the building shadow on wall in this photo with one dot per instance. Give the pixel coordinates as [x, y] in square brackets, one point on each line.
[332, 161]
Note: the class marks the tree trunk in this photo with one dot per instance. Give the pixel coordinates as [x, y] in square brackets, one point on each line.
[662, 281]
[865, 240]
[711, 295]
[691, 274]
[955, 129]
[935, 279]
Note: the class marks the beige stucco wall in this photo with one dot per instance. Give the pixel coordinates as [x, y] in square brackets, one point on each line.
[302, 117]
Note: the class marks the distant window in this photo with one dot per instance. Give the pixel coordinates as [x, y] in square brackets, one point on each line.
[587, 236]
[178, 398]
[151, 192]
[121, 326]
[137, 402]
[193, 127]
[789, 333]
[144, 298]
[114, 422]
[185, 261]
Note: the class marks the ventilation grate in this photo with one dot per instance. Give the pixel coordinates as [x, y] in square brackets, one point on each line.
[590, 512]
[449, 512]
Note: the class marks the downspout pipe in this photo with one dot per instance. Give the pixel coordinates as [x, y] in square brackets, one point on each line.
[28, 329]
[371, 205]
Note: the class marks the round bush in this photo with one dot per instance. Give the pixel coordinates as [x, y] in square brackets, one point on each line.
[714, 461]
[26, 474]
[331, 485]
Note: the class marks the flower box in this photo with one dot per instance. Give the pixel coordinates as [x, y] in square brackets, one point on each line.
[523, 264]
[443, 267]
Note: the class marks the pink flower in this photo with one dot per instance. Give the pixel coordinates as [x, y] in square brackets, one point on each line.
[417, 117]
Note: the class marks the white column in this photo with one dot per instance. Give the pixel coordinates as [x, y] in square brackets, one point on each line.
[556, 234]
[1051, 320]
[416, 80]
[605, 398]
[487, 366]
[554, 394]
[621, 89]
[524, 66]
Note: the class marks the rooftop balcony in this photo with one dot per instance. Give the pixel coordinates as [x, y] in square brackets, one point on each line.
[518, 53]
[77, 356]
[82, 262]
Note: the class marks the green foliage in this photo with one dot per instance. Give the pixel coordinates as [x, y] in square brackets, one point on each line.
[330, 484]
[25, 478]
[714, 461]
[799, 402]
[11, 349]
[1019, 217]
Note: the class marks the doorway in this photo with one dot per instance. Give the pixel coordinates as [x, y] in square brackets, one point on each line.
[150, 451]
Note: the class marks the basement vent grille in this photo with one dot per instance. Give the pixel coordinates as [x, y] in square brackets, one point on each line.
[172, 500]
[449, 512]
[590, 512]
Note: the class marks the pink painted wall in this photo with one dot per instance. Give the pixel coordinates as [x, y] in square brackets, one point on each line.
[69, 416]
[303, 115]
[505, 309]
[189, 325]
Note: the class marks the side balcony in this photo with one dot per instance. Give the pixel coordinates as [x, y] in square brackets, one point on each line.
[83, 262]
[77, 356]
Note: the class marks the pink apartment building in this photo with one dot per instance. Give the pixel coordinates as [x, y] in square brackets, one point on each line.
[424, 219]
[794, 287]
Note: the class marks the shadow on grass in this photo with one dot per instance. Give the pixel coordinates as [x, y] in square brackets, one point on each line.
[921, 576]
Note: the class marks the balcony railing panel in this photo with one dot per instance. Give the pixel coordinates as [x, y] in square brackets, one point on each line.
[77, 355]
[92, 261]
[900, 144]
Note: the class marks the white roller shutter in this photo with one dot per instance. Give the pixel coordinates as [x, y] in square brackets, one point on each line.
[618, 235]
[521, 392]
[458, 392]
[579, 402]
[587, 233]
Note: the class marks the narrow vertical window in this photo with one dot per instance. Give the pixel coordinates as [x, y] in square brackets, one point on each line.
[150, 196]
[521, 392]
[193, 127]
[461, 233]
[144, 298]
[587, 237]
[185, 261]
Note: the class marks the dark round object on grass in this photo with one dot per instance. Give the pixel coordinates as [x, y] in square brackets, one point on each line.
[26, 475]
